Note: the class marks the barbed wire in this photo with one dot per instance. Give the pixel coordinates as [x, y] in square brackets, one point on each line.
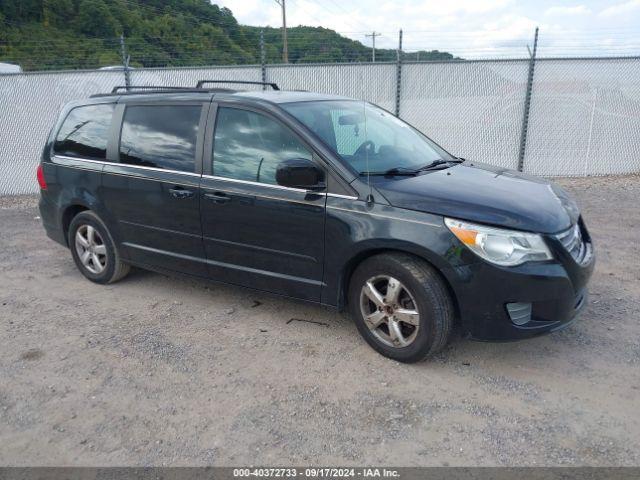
[241, 46]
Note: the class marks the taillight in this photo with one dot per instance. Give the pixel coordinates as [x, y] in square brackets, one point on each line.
[40, 175]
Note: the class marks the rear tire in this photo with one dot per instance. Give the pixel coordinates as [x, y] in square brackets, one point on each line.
[93, 249]
[401, 306]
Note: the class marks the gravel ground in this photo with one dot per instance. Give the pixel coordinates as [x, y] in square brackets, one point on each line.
[166, 371]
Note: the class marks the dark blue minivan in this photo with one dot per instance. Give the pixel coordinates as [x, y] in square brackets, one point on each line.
[319, 198]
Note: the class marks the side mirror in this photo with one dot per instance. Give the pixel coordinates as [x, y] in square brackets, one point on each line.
[300, 173]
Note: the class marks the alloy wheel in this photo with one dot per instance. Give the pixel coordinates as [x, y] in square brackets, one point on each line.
[390, 311]
[91, 249]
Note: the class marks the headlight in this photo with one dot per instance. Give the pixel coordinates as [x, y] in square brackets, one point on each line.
[499, 246]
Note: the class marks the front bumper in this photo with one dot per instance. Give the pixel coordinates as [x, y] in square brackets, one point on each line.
[557, 292]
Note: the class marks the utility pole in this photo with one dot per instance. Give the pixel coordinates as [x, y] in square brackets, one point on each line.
[373, 36]
[125, 62]
[285, 47]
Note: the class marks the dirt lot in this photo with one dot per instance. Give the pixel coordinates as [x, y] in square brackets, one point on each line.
[167, 371]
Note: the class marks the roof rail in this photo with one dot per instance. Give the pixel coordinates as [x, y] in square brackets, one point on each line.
[242, 82]
[150, 87]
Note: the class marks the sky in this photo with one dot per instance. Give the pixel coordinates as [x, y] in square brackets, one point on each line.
[469, 28]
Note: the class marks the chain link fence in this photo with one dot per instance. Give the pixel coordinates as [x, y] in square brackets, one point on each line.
[472, 109]
[371, 82]
[29, 106]
[188, 77]
[584, 117]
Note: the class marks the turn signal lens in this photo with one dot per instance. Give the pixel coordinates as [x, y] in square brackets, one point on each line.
[468, 237]
[40, 175]
[500, 246]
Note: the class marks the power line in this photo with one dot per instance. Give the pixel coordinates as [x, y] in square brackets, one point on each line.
[349, 19]
[350, 15]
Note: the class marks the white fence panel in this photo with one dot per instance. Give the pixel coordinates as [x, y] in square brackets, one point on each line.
[188, 77]
[472, 109]
[373, 83]
[585, 118]
[29, 106]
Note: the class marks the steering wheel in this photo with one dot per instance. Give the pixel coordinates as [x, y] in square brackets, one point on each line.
[366, 145]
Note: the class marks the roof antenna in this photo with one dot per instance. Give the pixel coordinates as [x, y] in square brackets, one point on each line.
[366, 155]
[366, 139]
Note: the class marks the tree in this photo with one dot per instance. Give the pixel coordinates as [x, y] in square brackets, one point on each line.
[43, 34]
[21, 10]
[95, 19]
[57, 12]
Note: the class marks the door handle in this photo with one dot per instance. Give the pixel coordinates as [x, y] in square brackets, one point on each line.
[180, 193]
[217, 197]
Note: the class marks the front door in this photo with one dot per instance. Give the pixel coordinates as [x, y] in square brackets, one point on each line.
[257, 233]
[153, 192]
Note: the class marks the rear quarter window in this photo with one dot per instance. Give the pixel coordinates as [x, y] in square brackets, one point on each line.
[85, 132]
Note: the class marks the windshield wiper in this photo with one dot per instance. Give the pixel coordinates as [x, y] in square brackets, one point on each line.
[411, 172]
[440, 162]
[394, 172]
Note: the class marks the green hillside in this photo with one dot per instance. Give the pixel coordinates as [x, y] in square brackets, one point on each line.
[74, 34]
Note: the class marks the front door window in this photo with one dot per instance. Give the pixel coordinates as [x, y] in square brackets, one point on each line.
[249, 146]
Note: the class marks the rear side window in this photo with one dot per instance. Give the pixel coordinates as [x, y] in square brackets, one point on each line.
[84, 132]
[160, 136]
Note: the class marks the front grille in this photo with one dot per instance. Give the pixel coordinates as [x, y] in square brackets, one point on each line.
[573, 242]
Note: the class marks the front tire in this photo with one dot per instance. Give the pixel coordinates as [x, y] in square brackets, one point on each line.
[94, 251]
[401, 306]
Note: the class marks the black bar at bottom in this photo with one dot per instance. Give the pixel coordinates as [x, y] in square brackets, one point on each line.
[402, 473]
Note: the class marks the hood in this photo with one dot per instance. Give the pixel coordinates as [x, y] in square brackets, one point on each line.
[484, 194]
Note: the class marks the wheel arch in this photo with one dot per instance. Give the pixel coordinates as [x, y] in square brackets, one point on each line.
[363, 255]
[68, 215]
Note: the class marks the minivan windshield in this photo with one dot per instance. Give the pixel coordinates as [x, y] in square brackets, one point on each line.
[368, 138]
